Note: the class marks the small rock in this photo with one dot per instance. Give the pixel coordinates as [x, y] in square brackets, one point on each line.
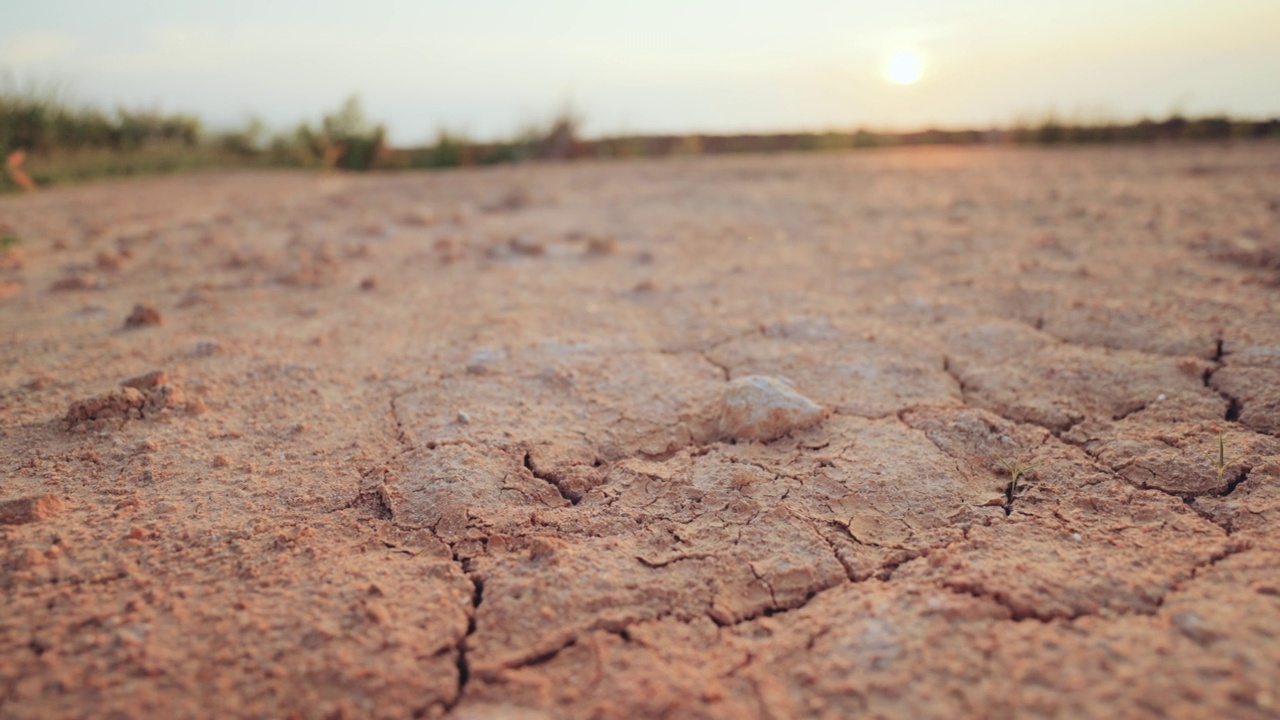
[11, 259]
[377, 228]
[146, 381]
[419, 217]
[1195, 627]
[521, 245]
[513, 200]
[20, 511]
[109, 261]
[369, 283]
[142, 316]
[205, 348]
[598, 246]
[763, 408]
[40, 382]
[541, 547]
[28, 558]
[129, 503]
[83, 281]
[481, 361]
[450, 249]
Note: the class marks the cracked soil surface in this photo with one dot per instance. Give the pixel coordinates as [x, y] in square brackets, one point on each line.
[695, 438]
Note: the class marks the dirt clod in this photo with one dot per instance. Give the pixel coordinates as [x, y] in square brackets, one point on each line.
[79, 281]
[138, 397]
[522, 245]
[142, 316]
[18, 511]
[146, 381]
[600, 246]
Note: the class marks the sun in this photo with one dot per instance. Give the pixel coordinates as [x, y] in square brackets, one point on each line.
[904, 68]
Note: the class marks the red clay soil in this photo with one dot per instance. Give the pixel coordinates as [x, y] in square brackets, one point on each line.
[693, 438]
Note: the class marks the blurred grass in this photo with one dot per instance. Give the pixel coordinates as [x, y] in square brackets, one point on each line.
[62, 166]
[64, 142]
[52, 141]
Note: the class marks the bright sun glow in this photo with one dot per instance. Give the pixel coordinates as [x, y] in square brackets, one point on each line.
[904, 68]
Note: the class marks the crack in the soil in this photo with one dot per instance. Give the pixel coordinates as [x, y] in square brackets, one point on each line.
[1019, 612]
[1234, 405]
[1233, 408]
[549, 479]
[719, 366]
[464, 667]
[545, 657]
[653, 564]
[1039, 324]
[1231, 549]
[849, 571]
[773, 597]
[402, 436]
[1188, 498]
[1016, 613]
[1229, 488]
[1236, 482]
[905, 555]
[775, 608]
[1009, 490]
[1117, 417]
[623, 633]
[370, 492]
[1225, 523]
[1010, 495]
[946, 368]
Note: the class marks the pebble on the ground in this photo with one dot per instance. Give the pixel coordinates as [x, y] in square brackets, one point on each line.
[142, 316]
[757, 407]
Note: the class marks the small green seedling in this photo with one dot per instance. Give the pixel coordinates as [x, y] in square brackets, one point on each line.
[9, 241]
[1017, 470]
[1220, 461]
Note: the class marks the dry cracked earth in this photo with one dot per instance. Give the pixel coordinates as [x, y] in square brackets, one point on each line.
[694, 438]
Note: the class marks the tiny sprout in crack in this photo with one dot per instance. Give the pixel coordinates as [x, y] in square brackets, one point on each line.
[1219, 459]
[1017, 471]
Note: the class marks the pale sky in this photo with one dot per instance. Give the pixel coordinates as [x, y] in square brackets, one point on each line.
[487, 67]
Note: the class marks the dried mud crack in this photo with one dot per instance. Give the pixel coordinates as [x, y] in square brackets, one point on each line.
[725, 438]
[464, 668]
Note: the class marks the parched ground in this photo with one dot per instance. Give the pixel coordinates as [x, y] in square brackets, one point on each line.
[721, 438]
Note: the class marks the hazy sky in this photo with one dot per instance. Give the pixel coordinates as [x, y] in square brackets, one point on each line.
[489, 66]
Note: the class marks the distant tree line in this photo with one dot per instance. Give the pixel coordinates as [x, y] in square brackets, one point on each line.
[60, 141]
[560, 140]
